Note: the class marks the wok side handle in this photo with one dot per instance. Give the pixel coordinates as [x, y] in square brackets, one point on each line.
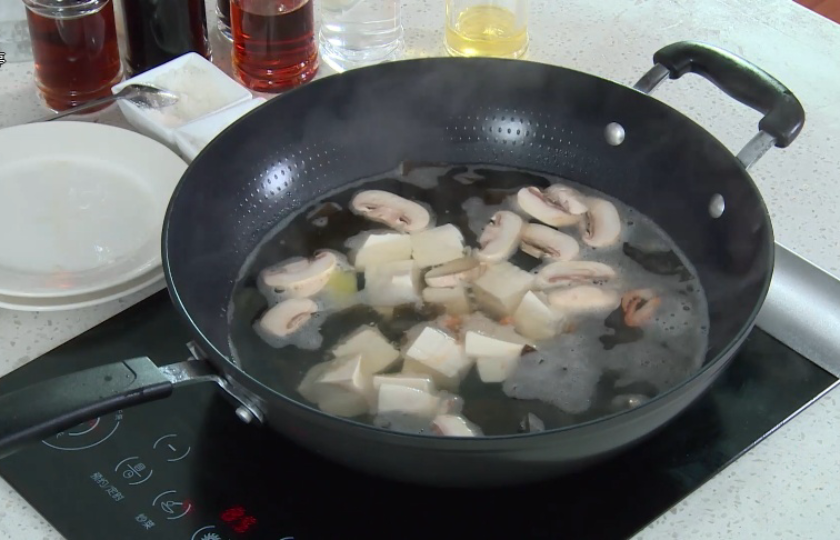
[738, 78]
[49, 407]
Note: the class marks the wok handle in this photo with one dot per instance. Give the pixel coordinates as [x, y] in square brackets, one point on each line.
[740, 79]
[49, 407]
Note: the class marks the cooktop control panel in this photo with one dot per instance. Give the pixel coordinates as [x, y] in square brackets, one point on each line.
[148, 472]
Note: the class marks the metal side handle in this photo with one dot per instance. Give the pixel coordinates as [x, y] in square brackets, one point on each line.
[740, 79]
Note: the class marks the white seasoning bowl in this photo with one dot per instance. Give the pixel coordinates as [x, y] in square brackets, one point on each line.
[201, 87]
[191, 138]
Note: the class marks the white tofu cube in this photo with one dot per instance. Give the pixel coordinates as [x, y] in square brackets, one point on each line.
[453, 299]
[377, 352]
[415, 368]
[454, 425]
[393, 284]
[376, 248]
[404, 399]
[411, 380]
[438, 351]
[484, 346]
[437, 246]
[342, 403]
[307, 387]
[501, 288]
[535, 319]
[496, 369]
[339, 387]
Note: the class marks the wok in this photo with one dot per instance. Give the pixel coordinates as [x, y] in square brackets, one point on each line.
[293, 150]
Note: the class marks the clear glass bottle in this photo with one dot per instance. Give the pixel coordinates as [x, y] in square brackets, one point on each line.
[495, 28]
[356, 33]
[223, 18]
[74, 44]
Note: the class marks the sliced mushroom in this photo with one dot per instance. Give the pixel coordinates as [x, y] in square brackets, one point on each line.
[303, 277]
[570, 200]
[601, 226]
[454, 273]
[585, 298]
[500, 237]
[563, 273]
[547, 243]
[639, 306]
[288, 316]
[392, 210]
[535, 203]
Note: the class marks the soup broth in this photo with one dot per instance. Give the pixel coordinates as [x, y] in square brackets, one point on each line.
[642, 330]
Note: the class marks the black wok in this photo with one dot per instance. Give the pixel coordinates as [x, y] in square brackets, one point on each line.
[290, 151]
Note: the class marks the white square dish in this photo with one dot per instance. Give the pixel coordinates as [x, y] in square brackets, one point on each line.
[191, 138]
[202, 88]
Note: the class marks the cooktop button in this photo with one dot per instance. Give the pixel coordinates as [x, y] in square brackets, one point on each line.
[171, 448]
[134, 470]
[171, 505]
[207, 533]
[87, 434]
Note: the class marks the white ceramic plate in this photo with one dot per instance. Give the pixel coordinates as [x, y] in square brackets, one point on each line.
[152, 279]
[81, 207]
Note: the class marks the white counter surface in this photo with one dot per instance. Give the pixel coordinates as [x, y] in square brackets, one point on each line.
[785, 487]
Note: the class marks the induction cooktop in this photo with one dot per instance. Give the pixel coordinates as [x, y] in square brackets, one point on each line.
[187, 468]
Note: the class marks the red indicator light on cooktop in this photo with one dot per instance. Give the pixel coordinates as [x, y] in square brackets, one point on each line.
[238, 519]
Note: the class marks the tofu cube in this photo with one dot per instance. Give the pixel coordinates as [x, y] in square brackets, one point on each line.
[437, 246]
[411, 380]
[484, 346]
[376, 248]
[339, 387]
[454, 425]
[501, 288]
[377, 352]
[419, 369]
[535, 319]
[496, 369]
[453, 299]
[393, 284]
[398, 398]
[436, 353]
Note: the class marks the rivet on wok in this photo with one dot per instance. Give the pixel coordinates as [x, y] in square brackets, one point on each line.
[717, 205]
[244, 414]
[614, 133]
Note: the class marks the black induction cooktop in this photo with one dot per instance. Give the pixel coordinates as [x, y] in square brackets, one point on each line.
[187, 469]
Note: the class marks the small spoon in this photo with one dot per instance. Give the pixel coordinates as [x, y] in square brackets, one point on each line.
[141, 94]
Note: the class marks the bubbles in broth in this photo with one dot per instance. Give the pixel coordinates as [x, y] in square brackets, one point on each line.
[437, 331]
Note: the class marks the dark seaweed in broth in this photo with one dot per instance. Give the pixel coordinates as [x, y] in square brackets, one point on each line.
[600, 368]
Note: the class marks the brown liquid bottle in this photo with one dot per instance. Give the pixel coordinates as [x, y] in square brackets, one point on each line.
[74, 44]
[274, 44]
[157, 31]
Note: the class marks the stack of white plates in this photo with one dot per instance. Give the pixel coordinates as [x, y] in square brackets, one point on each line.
[81, 212]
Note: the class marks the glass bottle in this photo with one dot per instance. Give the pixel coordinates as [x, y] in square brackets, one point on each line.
[223, 18]
[274, 44]
[495, 28]
[74, 45]
[356, 33]
[157, 31]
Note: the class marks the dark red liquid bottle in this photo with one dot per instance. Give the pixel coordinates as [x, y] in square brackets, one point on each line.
[75, 48]
[274, 43]
[159, 30]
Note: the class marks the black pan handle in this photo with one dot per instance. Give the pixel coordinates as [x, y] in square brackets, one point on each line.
[740, 79]
[46, 408]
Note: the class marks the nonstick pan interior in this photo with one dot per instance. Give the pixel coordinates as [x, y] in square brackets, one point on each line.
[546, 119]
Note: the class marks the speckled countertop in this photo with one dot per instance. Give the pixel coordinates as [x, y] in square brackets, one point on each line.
[786, 486]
